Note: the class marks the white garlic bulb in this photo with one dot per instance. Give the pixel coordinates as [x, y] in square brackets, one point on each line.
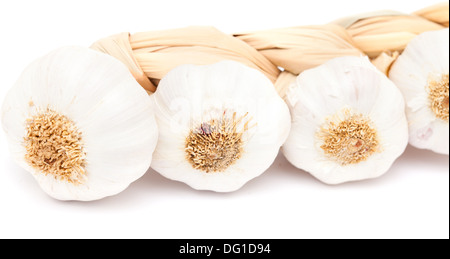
[421, 74]
[220, 125]
[80, 124]
[348, 121]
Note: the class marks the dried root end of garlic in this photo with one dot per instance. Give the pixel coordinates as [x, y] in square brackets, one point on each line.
[80, 124]
[348, 137]
[54, 147]
[348, 121]
[421, 74]
[215, 145]
[438, 96]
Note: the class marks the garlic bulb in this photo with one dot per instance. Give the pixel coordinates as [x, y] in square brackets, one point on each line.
[348, 121]
[220, 125]
[80, 124]
[421, 74]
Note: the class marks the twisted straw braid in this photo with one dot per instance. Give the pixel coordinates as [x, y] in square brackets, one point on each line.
[379, 35]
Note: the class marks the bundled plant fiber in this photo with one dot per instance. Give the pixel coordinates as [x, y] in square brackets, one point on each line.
[379, 35]
[150, 55]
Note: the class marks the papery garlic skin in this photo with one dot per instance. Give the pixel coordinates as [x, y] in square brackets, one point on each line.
[193, 102]
[327, 103]
[424, 62]
[97, 97]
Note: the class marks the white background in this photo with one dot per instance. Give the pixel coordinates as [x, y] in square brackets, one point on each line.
[410, 201]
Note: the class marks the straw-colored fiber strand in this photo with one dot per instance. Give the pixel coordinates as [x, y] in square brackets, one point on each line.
[437, 13]
[391, 23]
[299, 48]
[119, 47]
[348, 21]
[375, 35]
[380, 35]
[375, 45]
[285, 79]
[159, 52]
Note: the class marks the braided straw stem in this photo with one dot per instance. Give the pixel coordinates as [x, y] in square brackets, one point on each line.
[379, 35]
[150, 55]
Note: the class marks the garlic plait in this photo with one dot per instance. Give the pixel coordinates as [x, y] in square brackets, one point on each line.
[80, 124]
[348, 121]
[421, 74]
[220, 125]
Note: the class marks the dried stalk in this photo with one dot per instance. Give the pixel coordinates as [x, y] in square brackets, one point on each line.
[437, 13]
[299, 48]
[156, 53]
[380, 35]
